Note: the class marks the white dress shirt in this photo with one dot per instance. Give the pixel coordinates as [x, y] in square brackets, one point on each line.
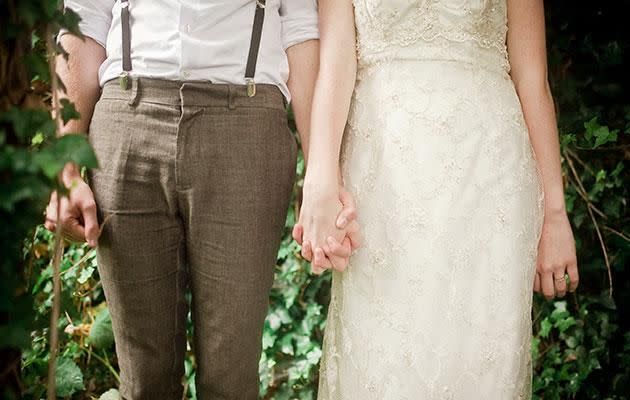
[198, 39]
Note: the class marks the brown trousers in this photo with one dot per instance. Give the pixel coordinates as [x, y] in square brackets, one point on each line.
[194, 183]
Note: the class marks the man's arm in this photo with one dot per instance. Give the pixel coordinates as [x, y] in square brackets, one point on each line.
[303, 65]
[79, 74]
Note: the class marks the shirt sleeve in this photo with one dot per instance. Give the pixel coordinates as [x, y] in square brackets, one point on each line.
[96, 17]
[299, 21]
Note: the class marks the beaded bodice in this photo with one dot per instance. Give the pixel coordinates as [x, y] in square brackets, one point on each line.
[471, 31]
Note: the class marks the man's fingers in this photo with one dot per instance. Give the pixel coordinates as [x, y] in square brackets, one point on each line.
[348, 212]
[537, 282]
[73, 231]
[50, 225]
[69, 216]
[347, 215]
[51, 212]
[90, 221]
[298, 233]
[320, 260]
[307, 251]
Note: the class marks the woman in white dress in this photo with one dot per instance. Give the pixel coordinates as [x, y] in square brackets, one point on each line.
[450, 146]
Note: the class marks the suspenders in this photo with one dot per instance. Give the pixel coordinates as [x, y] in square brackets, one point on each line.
[254, 45]
[126, 44]
[252, 58]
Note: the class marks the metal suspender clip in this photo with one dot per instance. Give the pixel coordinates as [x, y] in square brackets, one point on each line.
[251, 87]
[123, 79]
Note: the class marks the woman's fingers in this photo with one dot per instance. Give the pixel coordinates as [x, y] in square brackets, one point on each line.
[560, 282]
[537, 282]
[574, 278]
[546, 282]
[336, 249]
[353, 232]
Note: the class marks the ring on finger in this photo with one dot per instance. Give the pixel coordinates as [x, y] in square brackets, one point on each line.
[562, 278]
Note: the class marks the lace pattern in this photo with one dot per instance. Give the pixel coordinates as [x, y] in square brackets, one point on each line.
[437, 302]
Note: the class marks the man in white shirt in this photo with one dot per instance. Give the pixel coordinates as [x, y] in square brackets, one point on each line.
[185, 102]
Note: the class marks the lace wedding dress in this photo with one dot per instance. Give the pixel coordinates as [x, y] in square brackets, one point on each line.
[437, 302]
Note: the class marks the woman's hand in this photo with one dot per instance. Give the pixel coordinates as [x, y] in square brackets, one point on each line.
[318, 216]
[556, 257]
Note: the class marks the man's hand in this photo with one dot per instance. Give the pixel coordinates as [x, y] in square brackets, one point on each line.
[334, 254]
[76, 212]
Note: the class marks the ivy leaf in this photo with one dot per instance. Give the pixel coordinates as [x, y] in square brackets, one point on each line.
[77, 149]
[68, 111]
[68, 378]
[70, 21]
[101, 334]
[111, 394]
[73, 147]
[545, 327]
[604, 135]
[86, 274]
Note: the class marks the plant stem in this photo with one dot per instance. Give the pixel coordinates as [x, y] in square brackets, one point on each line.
[58, 253]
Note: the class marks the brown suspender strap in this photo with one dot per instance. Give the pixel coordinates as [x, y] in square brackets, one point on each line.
[254, 46]
[252, 59]
[126, 43]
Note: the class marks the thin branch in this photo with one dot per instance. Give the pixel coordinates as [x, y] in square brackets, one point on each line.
[595, 224]
[584, 197]
[616, 232]
[580, 161]
[59, 241]
[103, 361]
[579, 186]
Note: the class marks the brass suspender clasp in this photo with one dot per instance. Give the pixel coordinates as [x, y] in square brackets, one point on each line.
[123, 79]
[251, 87]
[261, 3]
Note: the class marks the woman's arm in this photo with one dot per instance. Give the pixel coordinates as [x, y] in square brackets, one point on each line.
[331, 103]
[528, 60]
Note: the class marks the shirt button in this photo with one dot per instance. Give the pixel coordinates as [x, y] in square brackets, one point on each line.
[186, 74]
[188, 28]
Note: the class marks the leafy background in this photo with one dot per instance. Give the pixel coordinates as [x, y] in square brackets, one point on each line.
[581, 346]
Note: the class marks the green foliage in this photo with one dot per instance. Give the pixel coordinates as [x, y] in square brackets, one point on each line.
[101, 335]
[69, 377]
[30, 159]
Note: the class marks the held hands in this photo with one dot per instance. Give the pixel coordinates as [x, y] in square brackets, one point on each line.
[327, 228]
[556, 258]
[76, 212]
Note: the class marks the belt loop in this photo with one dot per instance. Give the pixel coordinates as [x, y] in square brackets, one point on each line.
[134, 94]
[231, 97]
